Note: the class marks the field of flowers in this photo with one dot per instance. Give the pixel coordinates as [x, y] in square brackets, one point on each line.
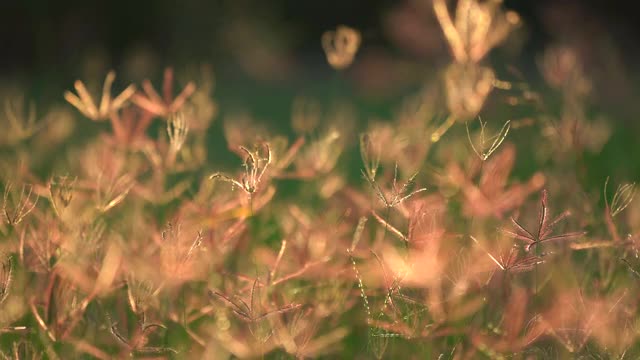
[483, 218]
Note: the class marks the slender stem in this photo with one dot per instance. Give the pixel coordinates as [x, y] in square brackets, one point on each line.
[435, 137]
[386, 220]
[535, 275]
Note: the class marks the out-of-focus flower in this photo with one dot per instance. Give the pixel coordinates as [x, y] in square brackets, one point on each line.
[340, 46]
[467, 86]
[241, 128]
[20, 121]
[305, 115]
[477, 28]
[85, 104]
[562, 68]
[166, 104]
[180, 254]
[575, 132]
[201, 109]
[321, 155]
[59, 122]
[493, 195]
[130, 126]
[574, 318]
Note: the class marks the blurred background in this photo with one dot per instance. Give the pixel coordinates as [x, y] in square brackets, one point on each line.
[277, 43]
[265, 52]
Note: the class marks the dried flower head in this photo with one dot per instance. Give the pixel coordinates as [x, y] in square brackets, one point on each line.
[254, 312]
[340, 46]
[137, 343]
[545, 228]
[254, 168]
[370, 155]
[17, 205]
[111, 192]
[511, 261]
[397, 195]
[166, 104]
[481, 150]
[621, 198]
[85, 104]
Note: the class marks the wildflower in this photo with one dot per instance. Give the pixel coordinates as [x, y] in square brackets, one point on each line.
[397, 195]
[84, 103]
[254, 169]
[511, 262]
[137, 343]
[545, 228]
[165, 105]
[340, 46]
[484, 153]
[252, 312]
